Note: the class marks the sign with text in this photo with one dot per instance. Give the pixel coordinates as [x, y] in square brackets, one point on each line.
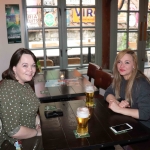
[13, 23]
[88, 15]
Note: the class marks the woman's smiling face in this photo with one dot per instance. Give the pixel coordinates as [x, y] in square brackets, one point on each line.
[25, 69]
[125, 66]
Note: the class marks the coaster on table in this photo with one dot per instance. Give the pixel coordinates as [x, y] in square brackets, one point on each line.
[50, 107]
[80, 136]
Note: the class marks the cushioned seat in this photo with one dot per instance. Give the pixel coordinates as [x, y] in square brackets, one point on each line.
[92, 67]
[102, 81]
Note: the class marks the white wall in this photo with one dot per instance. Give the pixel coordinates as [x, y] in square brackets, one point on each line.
[6, 50]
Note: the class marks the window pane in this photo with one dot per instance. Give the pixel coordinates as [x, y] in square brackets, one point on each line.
[88, 17]
[38, 53]
[133, 38]
[121, 41]
[35, 38]
[53, 54]
[34, 17]
[148, 40]
[50, 2]
[88, 36]
[72, 2]
[73, 17]
[88, 2]
[50, 17]
[122, 20]
[122, 4]
[133, 20]
[134, 5]
[73, 37]
[33, 2]
[147, 72]
[147, 58]
[51, 38]
[87, 55]
[148, 5]
[74, 57]
[148, 20]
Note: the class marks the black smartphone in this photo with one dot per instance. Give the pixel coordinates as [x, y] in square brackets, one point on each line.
[121, 128]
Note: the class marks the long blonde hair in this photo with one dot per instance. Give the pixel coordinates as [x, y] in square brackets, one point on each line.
[117, 77]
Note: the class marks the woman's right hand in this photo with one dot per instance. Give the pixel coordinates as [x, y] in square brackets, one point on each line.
[124, 104]
[39, 132]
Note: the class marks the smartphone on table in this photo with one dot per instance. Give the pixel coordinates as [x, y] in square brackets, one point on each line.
[121, 128]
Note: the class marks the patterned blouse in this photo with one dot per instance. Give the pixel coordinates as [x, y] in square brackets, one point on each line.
[18, 107]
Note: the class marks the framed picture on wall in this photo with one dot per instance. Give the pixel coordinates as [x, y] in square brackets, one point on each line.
[13, 23]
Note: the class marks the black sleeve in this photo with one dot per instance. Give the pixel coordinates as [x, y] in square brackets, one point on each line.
[108, 91]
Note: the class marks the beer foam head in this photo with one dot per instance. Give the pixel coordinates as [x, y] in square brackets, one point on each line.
[89, 89]
[83, 112]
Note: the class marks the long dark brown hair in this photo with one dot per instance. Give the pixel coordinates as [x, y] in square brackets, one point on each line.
[9, 73]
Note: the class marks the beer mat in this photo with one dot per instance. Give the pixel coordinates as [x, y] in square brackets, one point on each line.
[50, 107]
[80, 136]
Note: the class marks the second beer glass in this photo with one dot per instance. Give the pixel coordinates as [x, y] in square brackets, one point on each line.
[89, 92]
[82, 120]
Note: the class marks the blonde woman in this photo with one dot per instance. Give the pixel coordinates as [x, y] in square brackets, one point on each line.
[129, 93]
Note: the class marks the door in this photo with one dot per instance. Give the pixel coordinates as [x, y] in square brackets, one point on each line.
[61, 33]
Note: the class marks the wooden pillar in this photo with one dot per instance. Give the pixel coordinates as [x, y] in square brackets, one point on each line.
[105, 33]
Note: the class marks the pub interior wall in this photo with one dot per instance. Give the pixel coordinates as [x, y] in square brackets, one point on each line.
[6, 50]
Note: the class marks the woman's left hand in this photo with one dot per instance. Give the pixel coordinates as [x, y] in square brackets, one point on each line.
[124, 104]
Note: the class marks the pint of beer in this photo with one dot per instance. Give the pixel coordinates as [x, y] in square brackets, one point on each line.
[82, 120]
[89, 92]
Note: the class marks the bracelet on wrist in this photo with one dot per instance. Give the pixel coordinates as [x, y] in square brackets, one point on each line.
[36, 132]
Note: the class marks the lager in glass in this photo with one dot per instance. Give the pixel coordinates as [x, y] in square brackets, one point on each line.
[82, 120]
[89, 92]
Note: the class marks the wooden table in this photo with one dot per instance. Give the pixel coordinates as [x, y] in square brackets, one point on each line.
[73, 87]
[58, 133]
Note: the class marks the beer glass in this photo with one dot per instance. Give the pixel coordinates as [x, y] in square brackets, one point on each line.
[82, 120]
[89, 92]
